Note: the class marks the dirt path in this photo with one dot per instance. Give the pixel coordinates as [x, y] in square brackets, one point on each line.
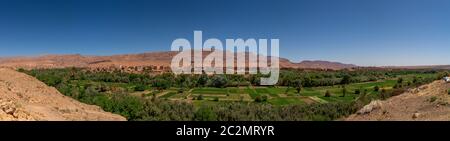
[428, 102]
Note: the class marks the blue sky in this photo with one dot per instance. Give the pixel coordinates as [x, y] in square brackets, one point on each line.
[362, 32]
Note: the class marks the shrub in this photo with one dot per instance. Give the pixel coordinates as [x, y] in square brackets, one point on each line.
[383, 94]
[327, 93]
[139, 88]
[200, 97]
[346, 79]
[205, 114]
[258, 99]
[216, 99]
[344, 91]
[400, 80]
[264, 98]
[21, 70]
[202, 80]
[357, 91]
[415, 80]
[433, 99]
[376, 88]
[161, 84]
[219, 81]
[180, 90]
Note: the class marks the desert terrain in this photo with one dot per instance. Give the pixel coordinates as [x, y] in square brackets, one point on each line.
[24, 98]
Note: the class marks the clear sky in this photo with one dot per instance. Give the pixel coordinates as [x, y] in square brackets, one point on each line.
[362, 32]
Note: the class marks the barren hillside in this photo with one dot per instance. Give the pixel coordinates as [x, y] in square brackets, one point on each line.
[142, 59]
[23, 97]
[428, 102]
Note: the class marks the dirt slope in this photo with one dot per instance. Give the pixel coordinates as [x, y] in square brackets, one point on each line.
[23, 97]
[428, 102]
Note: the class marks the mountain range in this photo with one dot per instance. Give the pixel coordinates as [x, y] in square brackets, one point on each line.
[141, 59]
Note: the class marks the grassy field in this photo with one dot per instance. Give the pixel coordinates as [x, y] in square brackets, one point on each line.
[274, 95]
[289, 96]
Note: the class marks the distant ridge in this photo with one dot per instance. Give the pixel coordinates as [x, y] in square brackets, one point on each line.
[316, 64]
[141, 59]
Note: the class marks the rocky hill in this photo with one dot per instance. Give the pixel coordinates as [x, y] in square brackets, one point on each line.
[428, 102]
[158, 59]
[23, 97]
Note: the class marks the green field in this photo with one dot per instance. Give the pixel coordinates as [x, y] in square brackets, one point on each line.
[276, 95]
[281, 95]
